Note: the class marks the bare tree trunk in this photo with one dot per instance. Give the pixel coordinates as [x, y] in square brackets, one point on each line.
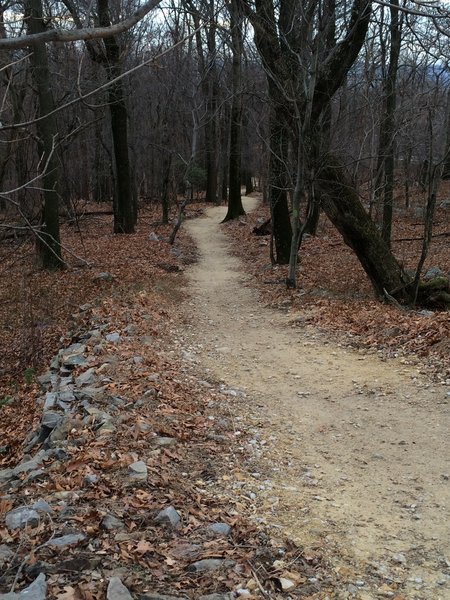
[48, 243]
[279, 209]
[343, 207]
[124, 220]
[386, 162]
[235, 208]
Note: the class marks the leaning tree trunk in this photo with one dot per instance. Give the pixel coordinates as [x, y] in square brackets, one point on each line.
[343, 207]
[48, 241]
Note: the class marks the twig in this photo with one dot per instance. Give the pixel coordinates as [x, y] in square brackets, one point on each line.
[255, 577]
[393, 301]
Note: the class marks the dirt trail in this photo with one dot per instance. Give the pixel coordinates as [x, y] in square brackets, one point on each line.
[358, 452]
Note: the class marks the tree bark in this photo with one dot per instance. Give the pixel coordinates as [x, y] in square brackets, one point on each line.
[124, 221]
[48, 240]
[343, 207]
[235, 208]
[386, 164]
[278, 201]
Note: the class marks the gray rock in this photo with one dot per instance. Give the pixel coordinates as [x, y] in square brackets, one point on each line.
[22, 517]
[117, 591]
[42, 506]
[50, 400]
[6, 474]
[76, 348]
[88, 393]
[35, 591]
[168, 516]
[151, 596]
[30, 465]
[107, 428]
[138, 470]
[50, 419]
[165, 441]
[217, 597]
[74, 360]
[220, 528]
[113, 338]
[104, 276]
[210, 564]
[67, 396]
[153, 237]
[45, 380]
[86, 379]
[65, 541]
[425, 313]
[35, 475]
[110, 522]
[433, 272]
[5, 554]
[90, 479]
[66, 383]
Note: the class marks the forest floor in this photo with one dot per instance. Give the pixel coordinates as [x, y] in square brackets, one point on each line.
[313, 422]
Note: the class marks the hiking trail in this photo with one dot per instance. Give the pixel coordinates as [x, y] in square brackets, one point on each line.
[357, 452]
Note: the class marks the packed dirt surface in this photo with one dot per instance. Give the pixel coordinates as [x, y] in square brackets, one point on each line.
[351, 454]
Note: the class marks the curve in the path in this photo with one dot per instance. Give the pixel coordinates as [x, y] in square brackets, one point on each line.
[362, 447]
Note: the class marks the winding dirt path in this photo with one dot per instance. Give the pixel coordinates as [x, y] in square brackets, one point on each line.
[357, 458]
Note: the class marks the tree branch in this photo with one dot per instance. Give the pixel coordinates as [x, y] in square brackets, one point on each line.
[86, 33]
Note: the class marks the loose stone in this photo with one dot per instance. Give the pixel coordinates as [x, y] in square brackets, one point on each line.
[210, 564]
[138, 470]
[168, 516]
[117, 591]
[64, 541]
[110, 522]
[36, 591]
[22, 517]
[220, 528]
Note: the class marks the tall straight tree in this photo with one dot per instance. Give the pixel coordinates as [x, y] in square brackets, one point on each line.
[48, 237]
[124, 210]
[384, 187]
[209, 82]
[110, 55]
[235, 208]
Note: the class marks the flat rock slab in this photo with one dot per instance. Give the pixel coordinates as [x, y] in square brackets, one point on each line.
[65, 541]
[22, 517]
[36, 591]
[210, 564]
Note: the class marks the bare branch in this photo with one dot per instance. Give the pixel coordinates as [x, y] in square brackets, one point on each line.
[86, 33]
[104, 86]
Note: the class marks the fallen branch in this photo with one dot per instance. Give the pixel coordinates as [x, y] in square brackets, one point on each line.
[419, 239]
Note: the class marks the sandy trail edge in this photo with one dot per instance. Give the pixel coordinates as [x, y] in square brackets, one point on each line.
[360, 451]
